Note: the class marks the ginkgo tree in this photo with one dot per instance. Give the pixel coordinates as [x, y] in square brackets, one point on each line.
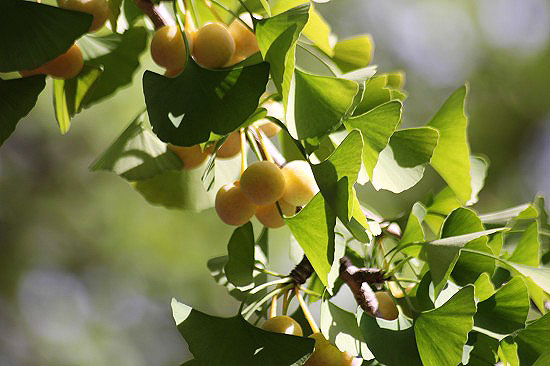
[239, 123]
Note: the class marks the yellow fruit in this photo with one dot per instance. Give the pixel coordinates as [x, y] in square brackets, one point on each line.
[386, 307]
[231, 146]
[263, 183]
[65, 66]
[300, 183]
[245, 40]
[168, 47]
[327, 354]
[269, 215]
[234, 60]
[213, 46]
[98, 8]
[283, 324]
[191, 157]
[232, 206]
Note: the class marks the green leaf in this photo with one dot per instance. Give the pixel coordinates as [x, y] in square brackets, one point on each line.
[376, 126]
[401, 164]
[233, 341]
[353, 53]
[540, 276]
[533, 341]
[240, 251]
[508, 352]
[484, 351]
[32, 34]
[17, 98]
[117, 55]
[313, 228]
[317, 30]
[178, 107]
[521, 212]
[506, 310]
[69, 94]
[527, 250]
[137, 154]
[443, 204]
[277, 37]
[114, 12]
[451, 322]
[484, 287]
[376, 93]
[317, 104]
[543, 360]
[469, 266]
[442, 255]
[451, 157]
[414, 231]
[478, 172]
[392, 343]
[341, 329]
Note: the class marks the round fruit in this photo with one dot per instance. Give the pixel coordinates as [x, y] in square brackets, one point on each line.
[191, 157]
[213, 46]
[245, 40]
[283, 324]
[168, 47]
[263, 183]
[269, 128]
[327, 354]
[386, 307]
[300, 183]
[270, 217]
[98, 8]
[231, 146]
[232, 206]
[65, 66]
[172, 73]
[234, 60]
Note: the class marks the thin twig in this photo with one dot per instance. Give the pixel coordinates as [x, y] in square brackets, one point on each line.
[149, 9]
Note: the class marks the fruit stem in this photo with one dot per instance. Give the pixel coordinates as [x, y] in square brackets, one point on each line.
[258, 134]
[244, 162]
[253, 145]
[148, 8]
[273, 307]
[213, 11]
[250, 309]
[268, 272]
[305, 309]
[236, 16]
[286, 301]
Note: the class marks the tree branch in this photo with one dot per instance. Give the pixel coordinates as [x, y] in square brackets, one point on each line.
[149, 9]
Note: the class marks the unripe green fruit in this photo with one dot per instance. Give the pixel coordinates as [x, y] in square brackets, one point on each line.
[245, 40]
[386, 307]
[231, 146]
[283, 324]
[98, 8]
[263, 183]
[168, 47]
[232, 206]
[300, 183]
[191, 157]
[327, 354]
[213, 46]
[269, 215]
[65, 66]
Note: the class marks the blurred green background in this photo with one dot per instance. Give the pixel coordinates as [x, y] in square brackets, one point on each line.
[88, 268]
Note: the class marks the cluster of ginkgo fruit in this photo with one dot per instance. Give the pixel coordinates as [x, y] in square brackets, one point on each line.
[214, 45]
[69, 64]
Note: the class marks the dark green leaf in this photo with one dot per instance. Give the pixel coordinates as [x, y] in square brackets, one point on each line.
[451, 324]
[240, 251]
[534, 341]
[233, 341]
[32, 34]
[17, 98]
[484, 352]
[180, 107]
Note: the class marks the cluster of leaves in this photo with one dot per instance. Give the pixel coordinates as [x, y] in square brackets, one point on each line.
[479, 282]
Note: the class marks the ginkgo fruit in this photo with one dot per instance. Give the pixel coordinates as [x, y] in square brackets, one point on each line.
[231, 146]
[300, 183]
[386, 307]
[269, 128]
[65, 66]
[191, 157]
[283, 324]
[98, 8]
[263, 183]
[213, 45]
[232, 206]
[270, 217]
[168, 47]
[246, 43]
[327, 354]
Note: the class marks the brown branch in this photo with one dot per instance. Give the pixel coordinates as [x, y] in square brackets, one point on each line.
[359, 280]
[149, 9]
